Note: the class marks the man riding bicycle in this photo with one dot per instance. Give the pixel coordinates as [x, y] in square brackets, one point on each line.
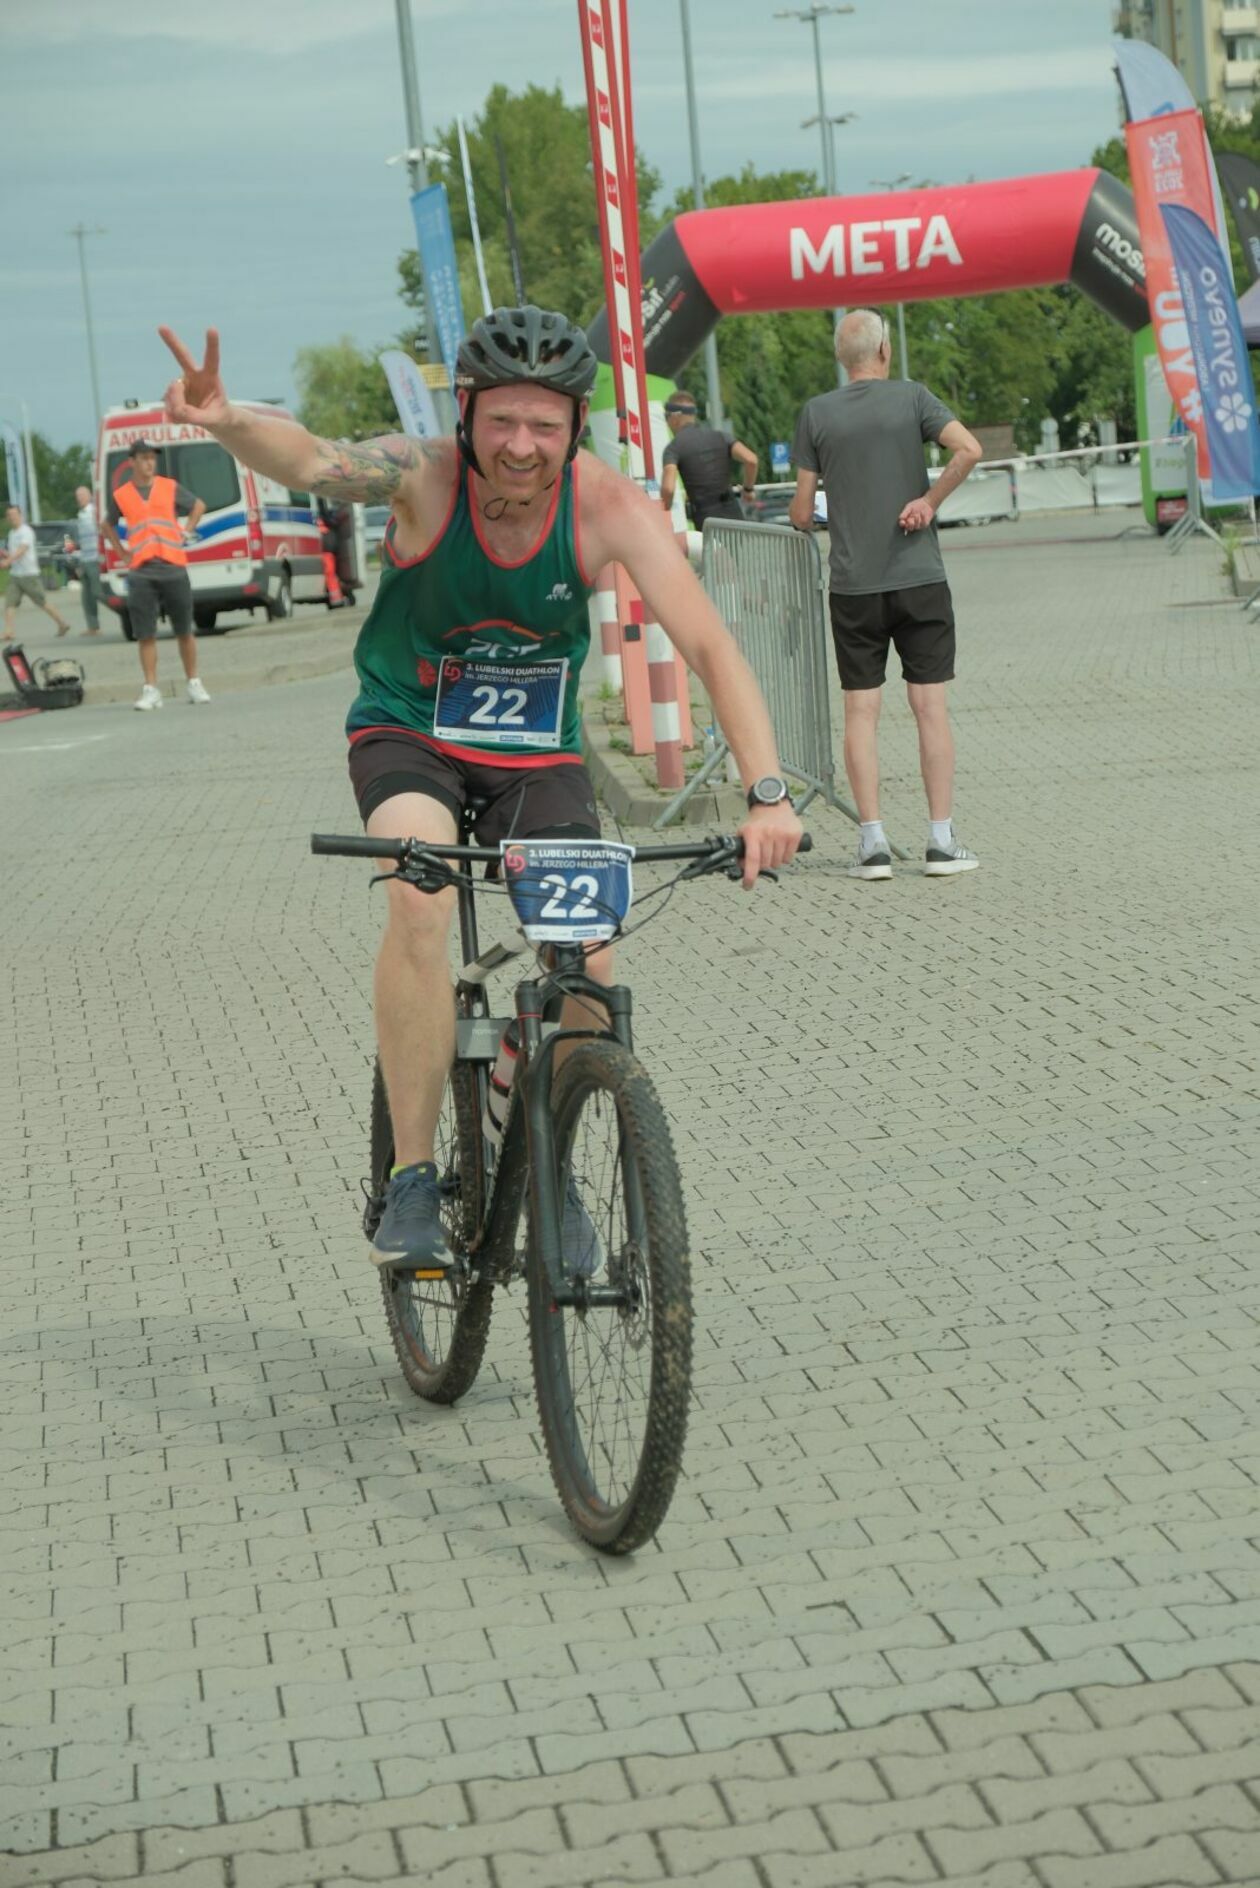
[469, 659]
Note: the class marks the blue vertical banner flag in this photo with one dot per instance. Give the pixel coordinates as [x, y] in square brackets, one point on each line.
[15, 466]
[1221, 364]
[437, 252]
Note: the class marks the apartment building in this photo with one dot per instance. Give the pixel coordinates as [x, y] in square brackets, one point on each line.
[1215, 45]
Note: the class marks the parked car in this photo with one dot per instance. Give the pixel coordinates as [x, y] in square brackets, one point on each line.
[50, 548]
[375, 519]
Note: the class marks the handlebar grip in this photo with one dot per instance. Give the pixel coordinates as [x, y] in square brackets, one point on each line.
[807, 843]
[356, 846]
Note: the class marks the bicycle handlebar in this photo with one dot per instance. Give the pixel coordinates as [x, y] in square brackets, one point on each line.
[362, 846]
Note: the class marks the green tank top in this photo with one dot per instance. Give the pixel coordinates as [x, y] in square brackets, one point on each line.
[479, 657]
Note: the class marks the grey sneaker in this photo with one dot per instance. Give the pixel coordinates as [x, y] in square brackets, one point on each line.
[583, 1247]
[876, 864]
[944, 861]
[410, 1236]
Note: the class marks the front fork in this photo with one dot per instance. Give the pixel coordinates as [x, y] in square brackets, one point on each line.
[537, 1074]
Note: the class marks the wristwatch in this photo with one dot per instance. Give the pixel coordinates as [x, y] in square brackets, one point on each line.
[768, 791]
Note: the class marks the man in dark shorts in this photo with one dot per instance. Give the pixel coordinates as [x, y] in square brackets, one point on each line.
[865, 442]
[702, 456]
[157, 565]
[468, 666]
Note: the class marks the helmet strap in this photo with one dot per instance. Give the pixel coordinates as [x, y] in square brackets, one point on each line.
[463, 434]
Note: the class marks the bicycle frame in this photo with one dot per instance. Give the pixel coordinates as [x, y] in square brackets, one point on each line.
[527, 1155]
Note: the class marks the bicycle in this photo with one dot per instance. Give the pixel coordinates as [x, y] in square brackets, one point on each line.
[610, 1334]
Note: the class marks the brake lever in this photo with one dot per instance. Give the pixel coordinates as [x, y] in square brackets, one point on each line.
[716, 861]
[734, 871]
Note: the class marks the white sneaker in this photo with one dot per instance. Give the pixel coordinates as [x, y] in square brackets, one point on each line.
[197, 691]
[148, 698]
[944, 861]
[876, 864]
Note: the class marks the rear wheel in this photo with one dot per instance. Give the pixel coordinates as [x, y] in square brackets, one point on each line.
[205, 619]
[614, 1379]
[280, 606]
[439, 1328]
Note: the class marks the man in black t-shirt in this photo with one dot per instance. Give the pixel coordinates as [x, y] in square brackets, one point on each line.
[703, 457]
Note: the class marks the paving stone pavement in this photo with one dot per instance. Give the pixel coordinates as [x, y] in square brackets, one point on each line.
[962, 1583]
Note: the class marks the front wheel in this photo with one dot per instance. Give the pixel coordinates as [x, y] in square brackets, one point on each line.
[614, 1378]
[439, 1328]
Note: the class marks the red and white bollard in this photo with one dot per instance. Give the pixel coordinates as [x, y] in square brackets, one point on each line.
[605, 602]
[666, 719]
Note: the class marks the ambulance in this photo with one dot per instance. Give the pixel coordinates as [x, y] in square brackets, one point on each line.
[259, 544]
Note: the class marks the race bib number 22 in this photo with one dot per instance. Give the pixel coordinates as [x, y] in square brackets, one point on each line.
[500, 704]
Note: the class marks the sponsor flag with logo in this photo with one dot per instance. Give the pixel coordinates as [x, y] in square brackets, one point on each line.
[1220, 353]
[1152, 87]
[1168, 164]
[411, 395]
[15, 466]
[1241, 178]
[437, 251]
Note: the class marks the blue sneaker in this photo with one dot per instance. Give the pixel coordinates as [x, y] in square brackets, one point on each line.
[583, 1248]
[410, 1236]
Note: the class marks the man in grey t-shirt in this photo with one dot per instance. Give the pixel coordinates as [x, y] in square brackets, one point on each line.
[865, 442]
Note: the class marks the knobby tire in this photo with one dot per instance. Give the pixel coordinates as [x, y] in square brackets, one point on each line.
[602, 1098]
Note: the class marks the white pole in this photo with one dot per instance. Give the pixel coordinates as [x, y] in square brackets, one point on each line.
[716, 414]
[32, 478]
[472, 218]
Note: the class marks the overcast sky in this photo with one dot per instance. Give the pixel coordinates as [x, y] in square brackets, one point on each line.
[234, 153]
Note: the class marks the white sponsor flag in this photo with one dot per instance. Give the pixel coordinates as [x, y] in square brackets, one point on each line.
[15, 466]
[411, 395]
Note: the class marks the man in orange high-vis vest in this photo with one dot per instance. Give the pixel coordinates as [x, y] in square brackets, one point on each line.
[157, 565]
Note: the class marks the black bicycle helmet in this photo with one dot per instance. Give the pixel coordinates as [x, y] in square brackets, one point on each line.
[523, 346]
[526, 344]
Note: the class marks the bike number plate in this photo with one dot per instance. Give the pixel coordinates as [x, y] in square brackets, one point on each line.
[568, 891]
[500, 704]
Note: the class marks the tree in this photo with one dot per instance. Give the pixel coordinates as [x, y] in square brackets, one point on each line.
[547, 155]
[343, 392]
[56, 474]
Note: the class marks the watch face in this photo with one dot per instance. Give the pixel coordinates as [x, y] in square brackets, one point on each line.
[769, 790]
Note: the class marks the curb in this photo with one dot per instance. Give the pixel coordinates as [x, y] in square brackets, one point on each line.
[99, 694]
[630, 799]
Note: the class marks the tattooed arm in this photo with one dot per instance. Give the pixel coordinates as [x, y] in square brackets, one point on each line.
[374, 470]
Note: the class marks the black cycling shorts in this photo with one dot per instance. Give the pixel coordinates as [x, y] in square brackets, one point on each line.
[555, 799]
[919, 622]
[157, 586]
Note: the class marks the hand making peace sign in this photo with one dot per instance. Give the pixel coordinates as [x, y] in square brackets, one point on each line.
[198, 397]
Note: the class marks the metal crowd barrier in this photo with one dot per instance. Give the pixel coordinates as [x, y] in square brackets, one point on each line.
[1088, 478]
[769, 588]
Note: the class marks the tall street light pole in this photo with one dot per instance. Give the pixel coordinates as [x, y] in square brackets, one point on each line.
[895, 183]
[79, 231]
[416, 171]
[717, 415]
[813, 14]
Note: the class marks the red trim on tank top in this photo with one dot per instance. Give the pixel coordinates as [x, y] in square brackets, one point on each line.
[480, 756]
[583, 573]
[409, 563]
[543, 535]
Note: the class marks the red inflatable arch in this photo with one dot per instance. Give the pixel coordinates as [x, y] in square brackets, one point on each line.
[822, 252]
